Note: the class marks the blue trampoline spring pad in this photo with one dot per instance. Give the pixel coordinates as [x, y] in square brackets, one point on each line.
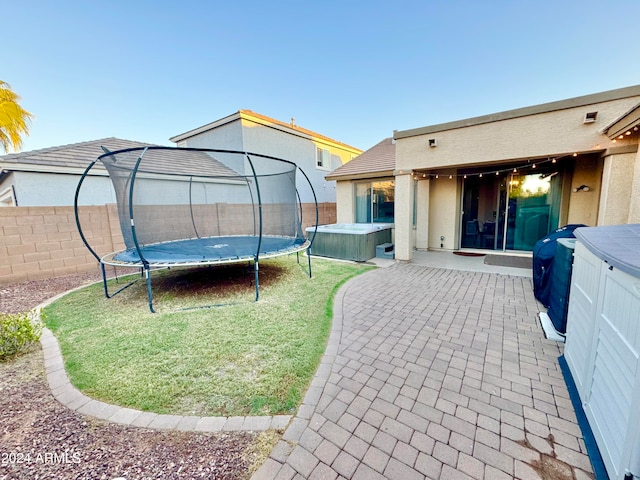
[210, 250]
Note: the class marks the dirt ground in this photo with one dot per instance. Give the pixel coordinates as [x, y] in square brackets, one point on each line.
[41, 439]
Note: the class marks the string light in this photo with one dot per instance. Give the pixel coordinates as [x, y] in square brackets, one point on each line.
[515, 170]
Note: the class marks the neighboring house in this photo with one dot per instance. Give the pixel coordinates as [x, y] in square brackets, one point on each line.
[502, 181]
[49, 177]
[366, 187]
[248, 131]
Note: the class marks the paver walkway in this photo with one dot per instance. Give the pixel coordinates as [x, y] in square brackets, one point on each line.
[434, 373]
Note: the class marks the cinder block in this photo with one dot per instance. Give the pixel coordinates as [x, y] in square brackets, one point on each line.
[21, 249]
[58, 236]
[56, 219]
[47, 246]
[25, 268]
[34, 238]
[44, 228]
[51, 264]
[15, 278]
[6, 240]
[18, 229]
[60, 254]
[40, 211]
[39, 275]
[75, 261]
[29, 220]
[36, 257]
[64, 271]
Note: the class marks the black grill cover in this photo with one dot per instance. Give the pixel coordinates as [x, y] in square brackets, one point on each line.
[543, 252]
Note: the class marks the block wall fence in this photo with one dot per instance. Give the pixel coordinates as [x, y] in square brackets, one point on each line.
[43, 242]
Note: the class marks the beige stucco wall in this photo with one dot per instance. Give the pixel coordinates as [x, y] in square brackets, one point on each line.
[345, 197]
[583, 206]
[634, 206]
[617, 188]
[535, 136]
[423, 205]
[444, 218]
[403, 215]
[540, 135]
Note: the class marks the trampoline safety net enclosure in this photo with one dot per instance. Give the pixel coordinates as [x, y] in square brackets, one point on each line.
[196, 207]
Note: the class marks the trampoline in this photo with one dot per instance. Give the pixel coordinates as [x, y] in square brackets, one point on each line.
[184, 207]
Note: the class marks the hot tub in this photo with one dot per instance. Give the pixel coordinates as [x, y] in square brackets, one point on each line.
[349, 241]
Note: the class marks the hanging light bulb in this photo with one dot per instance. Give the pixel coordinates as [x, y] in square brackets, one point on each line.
[534, 166]
[575, 154]
[450, 177]
[480, 175]
[437, 176]
[553, 161]
[465, 176]
[515, 170]
[497, 173]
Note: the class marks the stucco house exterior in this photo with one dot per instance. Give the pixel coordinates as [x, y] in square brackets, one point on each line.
[500, 182]
[248, 131]
[365, 186]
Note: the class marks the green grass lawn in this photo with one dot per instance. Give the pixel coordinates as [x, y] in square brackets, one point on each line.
[242, 358]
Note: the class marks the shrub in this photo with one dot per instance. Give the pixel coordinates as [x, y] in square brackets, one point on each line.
[18, 333]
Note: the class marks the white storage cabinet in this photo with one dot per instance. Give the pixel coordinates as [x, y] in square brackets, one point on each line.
[603, 341]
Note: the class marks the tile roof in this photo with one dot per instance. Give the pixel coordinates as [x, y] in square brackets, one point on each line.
[77, 156]
[73, 156]
[378, 160]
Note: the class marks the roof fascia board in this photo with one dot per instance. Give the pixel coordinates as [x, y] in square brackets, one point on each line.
[582, 101]
[209, 126]
[36, 168]
[360, 176]
[308, 135]
[624, 123]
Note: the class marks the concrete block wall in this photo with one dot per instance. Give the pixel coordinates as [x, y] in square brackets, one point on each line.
[43, 242]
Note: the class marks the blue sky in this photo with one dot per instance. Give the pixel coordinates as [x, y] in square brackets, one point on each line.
[351, 70]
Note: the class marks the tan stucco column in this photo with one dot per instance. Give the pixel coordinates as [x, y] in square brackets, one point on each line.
[403, 215]
[422, 214]
[618, 183]
[634, 204]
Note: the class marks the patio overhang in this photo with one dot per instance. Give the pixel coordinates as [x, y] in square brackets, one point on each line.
[624, 126]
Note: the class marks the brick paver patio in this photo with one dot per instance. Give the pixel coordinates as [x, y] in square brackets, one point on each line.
[434, 373]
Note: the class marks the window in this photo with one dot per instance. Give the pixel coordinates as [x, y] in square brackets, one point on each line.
[375, 202]
[323, 158]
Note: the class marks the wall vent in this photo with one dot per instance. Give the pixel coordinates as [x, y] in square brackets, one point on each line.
[433, 142]
[590, 117]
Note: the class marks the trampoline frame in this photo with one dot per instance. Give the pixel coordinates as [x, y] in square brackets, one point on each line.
[146, 266]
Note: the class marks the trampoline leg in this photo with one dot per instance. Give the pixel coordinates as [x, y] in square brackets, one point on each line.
[256, 268]
[147, 274]
[104, 280]
[309, 258]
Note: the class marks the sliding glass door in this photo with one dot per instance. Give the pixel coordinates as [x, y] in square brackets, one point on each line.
[375, 202]
[509, 211]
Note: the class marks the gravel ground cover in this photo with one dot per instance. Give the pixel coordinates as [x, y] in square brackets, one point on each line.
[41, 439]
